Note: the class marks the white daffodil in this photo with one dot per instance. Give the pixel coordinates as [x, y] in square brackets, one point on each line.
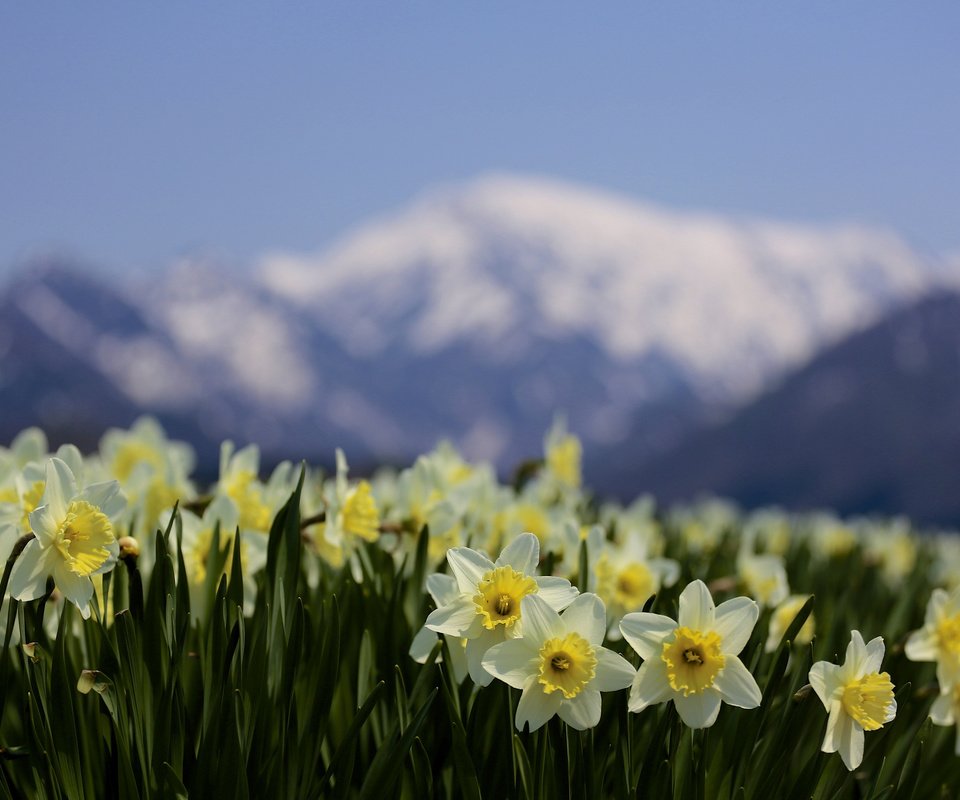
[945, 711]
[764, 577]
[74, 538]
[857, 697]
[558, 663]
[782, 616]
[486, 609]
[939, 638]
[562, 457]
[693, 661]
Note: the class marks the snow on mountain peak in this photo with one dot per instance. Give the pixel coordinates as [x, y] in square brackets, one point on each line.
[505, 260]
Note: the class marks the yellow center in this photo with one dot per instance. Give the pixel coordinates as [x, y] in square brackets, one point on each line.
[634, 585]
[564, 458]
[948, 637]
[242, 487]
[359, 514]
[29, 502]
[83, 537]
[533, 520]
[567, 665]
[200, 552]
[130, 455]
[501, 590]
[868, 699]
[693, 660]
[785, 614]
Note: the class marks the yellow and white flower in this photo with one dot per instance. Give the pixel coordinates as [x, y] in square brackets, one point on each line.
[782, 616]
[857, 697]
[74, 541]
[558, 663]
[694, 660]
[939, 638]
[486, 609]
[443, 589]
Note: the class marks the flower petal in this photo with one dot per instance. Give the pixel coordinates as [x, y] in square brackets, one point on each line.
[78, 589]
[851, 742]
[614, 672]
[512, 662]
[60, 488]
[650, 686]
[106, 496]
[477, 649]
[468, 567]
[442, 588]
[453, 619]
[736, 684]
[874, 655]
[942, 711]
[523, 554]
[855, 656]
[422, 644]
[536, 706]
[558, 592]
[698, 710]
[734, 621]
[28, 579]
[922, 645]
[587, 616]
[645, 632]
[581, 712]
[696, 607]
[824, 677]
[539, 622]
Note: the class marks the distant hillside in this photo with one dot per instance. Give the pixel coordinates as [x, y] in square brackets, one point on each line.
[872, 424]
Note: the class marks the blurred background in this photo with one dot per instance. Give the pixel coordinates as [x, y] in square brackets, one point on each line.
[721, 239]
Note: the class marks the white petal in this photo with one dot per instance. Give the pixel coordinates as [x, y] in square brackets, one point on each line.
[614, 672]
[60, 488]
[523, 554]
[874, 655]
[856, 655]
[45, 524]
[422, 644]
[938, 599]
[76, 588]
[736, 685]
[645, 632]
[458, 658]
[468, 567]
[587, 616]
[922, 645]
[558, 592]
[824, 677]
[536, 706]
[454, 619]
[698, 710]
[442, 588]
[477, 649]
[28, 579]
[851, 742]
[942, 711]
[106, 496]
[835, 722]
[581, 712]
[512, 662]
[734, 621]
[696, 607]
[540, 622]
[650, 686]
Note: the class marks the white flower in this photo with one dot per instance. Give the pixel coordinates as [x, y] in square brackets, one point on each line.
[487, 607]
[558, 663]
[74, 538]
[781, 618]
[764, 577]
[693, 661]
[939, 638]
[857, 697]
[443, 589]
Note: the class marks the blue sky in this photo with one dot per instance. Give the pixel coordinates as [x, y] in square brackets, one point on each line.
[132, 134]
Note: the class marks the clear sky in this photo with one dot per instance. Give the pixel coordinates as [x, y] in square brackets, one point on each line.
[131, 133]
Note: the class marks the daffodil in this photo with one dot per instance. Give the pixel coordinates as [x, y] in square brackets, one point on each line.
[857, 697]
[558, 663]
[694, 660]
[443, 589]
[939, 638]
[486, 608]
[782, 616]
[563, 455]
[75, 538]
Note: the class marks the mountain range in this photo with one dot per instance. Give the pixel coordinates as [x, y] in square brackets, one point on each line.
[477, 312]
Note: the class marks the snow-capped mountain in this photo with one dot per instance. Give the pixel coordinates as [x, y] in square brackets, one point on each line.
[505, 263]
